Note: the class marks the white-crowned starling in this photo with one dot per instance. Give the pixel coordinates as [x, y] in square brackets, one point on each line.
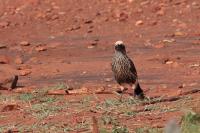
[124, 70]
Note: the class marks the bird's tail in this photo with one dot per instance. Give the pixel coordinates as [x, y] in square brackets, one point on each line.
[138, 92]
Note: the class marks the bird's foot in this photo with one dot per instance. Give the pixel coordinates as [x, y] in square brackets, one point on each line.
[122, 90]
[140, 96]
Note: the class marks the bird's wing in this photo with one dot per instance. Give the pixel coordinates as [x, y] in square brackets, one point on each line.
[132, 67]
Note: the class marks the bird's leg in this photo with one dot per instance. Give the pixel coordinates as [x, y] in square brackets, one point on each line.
[122, 89]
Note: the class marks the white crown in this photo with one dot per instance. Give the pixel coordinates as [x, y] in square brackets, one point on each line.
[119, 43]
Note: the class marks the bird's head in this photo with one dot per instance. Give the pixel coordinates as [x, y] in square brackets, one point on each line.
[120, 47]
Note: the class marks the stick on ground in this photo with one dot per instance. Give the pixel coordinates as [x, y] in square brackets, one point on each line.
[174, 98]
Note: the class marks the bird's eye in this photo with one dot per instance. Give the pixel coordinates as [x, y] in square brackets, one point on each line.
[122, 47]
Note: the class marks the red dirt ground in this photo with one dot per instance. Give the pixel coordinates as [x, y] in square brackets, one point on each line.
[48, 42]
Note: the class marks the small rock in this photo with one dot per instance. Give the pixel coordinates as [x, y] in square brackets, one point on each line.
[61, 13]
[88, 21]
[194, 65]
[96, 40]
[4, 60]
[40, 48]
[169, 62]
[178, 33]
[94, 43]
[89, 31]
[182, 86]
[139, 22]
[25, 72]
[4, 24]
[18, 60]
[168, 40]
[84, 72]
[123, 16]
[74, 28]
[2, 46]
[152, 23]
[91, 46]
[82, 90]
[24, 43]
[108, 79]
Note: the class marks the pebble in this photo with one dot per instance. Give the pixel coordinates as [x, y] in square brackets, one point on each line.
[88, 22]
[139, 22]
[108, 79]
[169, 62]
[178, 33]
[2, 46]
[182, 86]
[4, 24]
[24, 43]
[4, 60]
[40, 48]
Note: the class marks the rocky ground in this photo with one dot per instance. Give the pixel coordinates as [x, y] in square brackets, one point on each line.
[58, 45]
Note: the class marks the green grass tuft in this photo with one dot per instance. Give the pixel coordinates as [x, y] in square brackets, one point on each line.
[191, 123]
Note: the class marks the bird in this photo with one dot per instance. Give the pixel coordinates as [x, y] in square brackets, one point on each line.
[124, 70]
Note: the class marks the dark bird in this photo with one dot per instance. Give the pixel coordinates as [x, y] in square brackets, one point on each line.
[124, 70]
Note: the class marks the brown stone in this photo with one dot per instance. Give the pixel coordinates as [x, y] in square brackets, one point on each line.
[24, 43]
[4, 60]
[139, 22]
[40, 48]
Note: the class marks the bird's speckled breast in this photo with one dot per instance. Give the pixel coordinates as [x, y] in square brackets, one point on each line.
[121, 68]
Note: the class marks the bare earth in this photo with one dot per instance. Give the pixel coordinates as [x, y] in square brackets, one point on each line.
[53, 44]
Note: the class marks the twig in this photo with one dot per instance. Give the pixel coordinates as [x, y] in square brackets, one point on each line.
[174, 98]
